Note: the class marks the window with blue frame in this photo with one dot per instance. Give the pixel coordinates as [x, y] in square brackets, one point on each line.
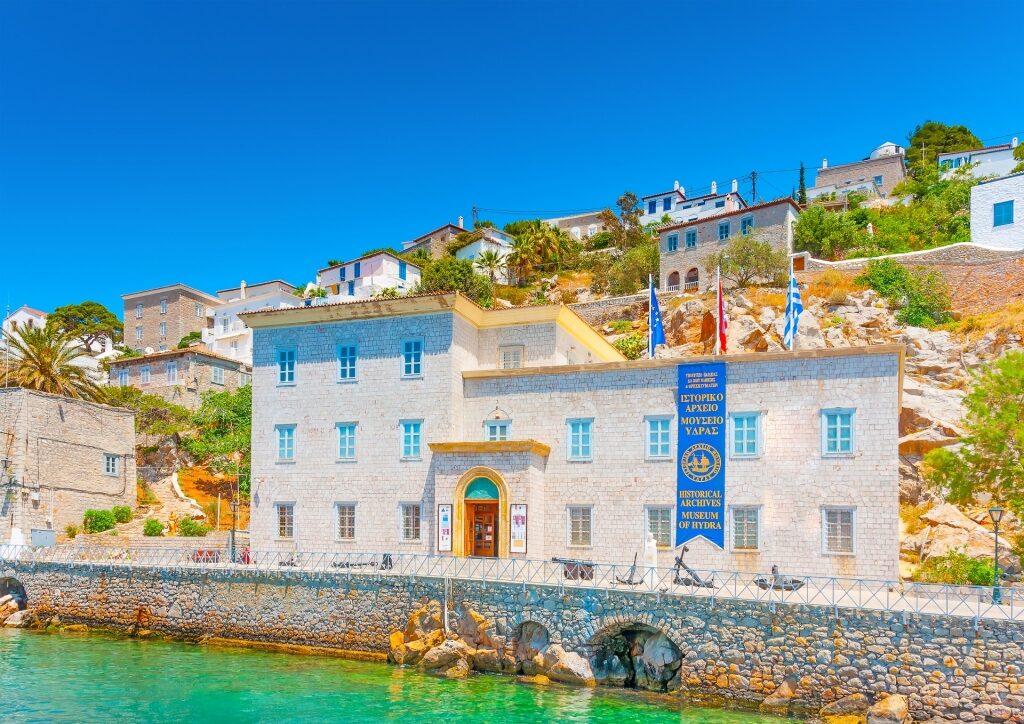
[286, 366]
[745, 442]
[720, 204]
[673, 242]
[286, 442]
[355, 270]
[691, 239]
[659, 431]
[411, 437]
[723, 231]
[666, 204]
[347, 355]
[412, 358]
[746, 225]
[402, 270]
[579, 439]
[341, 274]
[878, 180]
[346, 441]
[837, 432]
[495, 430]
[351, 289]
[1002, 213]
[652, 207]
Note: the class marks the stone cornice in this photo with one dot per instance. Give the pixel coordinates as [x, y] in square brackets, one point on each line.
[491, 446]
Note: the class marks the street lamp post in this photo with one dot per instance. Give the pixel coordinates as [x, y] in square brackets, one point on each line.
[234, 516]
[996, 514]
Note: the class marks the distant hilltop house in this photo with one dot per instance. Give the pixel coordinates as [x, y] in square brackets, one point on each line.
[875, 176]
[26, 317]
[181, 376]
[983, 162]
[684, 247]
[367, 276]
[227, 335]
[578, 226]
[435, 242]
[157, 319]
[997, 213]
[679, 208]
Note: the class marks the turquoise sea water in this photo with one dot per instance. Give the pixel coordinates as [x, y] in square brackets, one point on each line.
[100, 678]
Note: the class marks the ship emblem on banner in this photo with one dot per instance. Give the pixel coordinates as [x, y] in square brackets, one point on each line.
[700, 475]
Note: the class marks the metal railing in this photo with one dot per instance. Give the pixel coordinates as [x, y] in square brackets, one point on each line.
[972, 602]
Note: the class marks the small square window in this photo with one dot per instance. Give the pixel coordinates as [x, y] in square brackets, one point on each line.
[163, 306]
[1002, 213]
[217, 375]
[723, 231]
[510, 358]
[285, 520]
[286, 366]
[659, 524]
[347, 354]
[346, 441]
[579, 447]
[497, 430]
[837, 530]
[652, 207]
[877, 180]
[745, 529]
[659, 432]
[412, 358]
[691, 239]
[580, 525]
[111, 464]
[144, 374]
[346, 521]
[411, 439]
[745, 435]
[411, 521]
[837, 432]
[673, 242]
[285, 442]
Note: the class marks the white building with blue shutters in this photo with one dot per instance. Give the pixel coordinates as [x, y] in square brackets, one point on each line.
[429, 425]
[367, 276]
[997, 212]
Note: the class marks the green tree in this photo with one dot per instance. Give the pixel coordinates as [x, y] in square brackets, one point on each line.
[825, 234]
[456, 275]
[936, 138]
[801, 194]
[153, 414]
[490, 263]
[746, 259]
[522, 258]
[89, 322]
[630, 273]
[47, 361]
[921, 295]
[625, 228]
[387, 293]
[189, 338]
[990, 458]
[1018, 153]
[223, 433]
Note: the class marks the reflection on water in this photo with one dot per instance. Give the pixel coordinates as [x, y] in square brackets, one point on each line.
[98, 678]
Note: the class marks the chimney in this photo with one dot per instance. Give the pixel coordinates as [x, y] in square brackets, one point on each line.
[108, 345]
[682, 190]
[1013, 142]
[735, 186]
[241, 290]
[675, 186]
[714, 188]
[824, 163]
[461, 223]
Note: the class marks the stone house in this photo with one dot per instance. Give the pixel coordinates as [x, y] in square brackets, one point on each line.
[884, 171]
[436, 241]
[157, 319]
[684, 247]
[429, 425]
[58, 458]
[181, 376]
[578, 226]
[997, 212]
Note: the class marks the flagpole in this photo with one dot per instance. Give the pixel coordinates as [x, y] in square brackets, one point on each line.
[718, 327]
[789, 301]
[650, 317]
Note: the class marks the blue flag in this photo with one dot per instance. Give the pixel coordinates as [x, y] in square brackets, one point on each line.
[656, 335]
[793, 309]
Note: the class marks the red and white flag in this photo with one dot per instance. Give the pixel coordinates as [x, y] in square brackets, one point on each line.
[723, 323]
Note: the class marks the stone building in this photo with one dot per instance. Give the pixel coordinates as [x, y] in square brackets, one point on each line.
[429, 425]
[579, 226]
[181, 376]
[997, 212]
[58, 458]
[158, 318]
[884, 171]
[435, 242]
[685, 246]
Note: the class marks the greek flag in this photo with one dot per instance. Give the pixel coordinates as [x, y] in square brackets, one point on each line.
[793, 310]
[656, 335]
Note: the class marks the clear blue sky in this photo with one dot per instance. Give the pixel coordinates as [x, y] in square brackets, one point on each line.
[145, 143]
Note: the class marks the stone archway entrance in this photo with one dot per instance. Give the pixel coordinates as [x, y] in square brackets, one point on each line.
[481, 515]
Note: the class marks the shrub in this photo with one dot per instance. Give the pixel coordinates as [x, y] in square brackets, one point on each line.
[97, 521]
[122, 513]
[955, 567]
[190, 527]
[921, 294]
[153, 527]
[633, 346]
[621, 326]
[456, 275]
[516, 295]
[144, 494]
[838, 296]
[70, 530]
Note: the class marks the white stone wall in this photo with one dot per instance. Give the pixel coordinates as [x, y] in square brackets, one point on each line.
[983, 197]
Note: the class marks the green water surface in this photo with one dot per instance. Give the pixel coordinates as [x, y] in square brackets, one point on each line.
[100, 678]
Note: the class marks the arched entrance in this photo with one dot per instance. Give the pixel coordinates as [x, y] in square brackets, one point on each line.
[481, 515]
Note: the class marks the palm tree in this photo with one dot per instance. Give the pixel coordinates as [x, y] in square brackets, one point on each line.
[490, 263]
[44, 360]
[522, 257]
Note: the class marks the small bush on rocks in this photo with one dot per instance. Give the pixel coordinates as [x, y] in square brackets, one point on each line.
[152, 528]
[633, 346]
[190, 527]
[122, 513]
[956, 568]
[71, 530]
[97, 521]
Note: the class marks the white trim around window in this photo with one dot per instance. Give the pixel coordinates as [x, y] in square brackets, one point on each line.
[838, 530]
[658, 437]
[581, 516]
[284, 520]
[111, 464]
[285, 436]
[579, 439]
[497, 430]
[740, 431]
[347, 354]
[741, 538]
[346, 441]
[844, 421]
[411, 440]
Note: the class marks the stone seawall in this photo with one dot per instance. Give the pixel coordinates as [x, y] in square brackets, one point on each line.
[741, 651]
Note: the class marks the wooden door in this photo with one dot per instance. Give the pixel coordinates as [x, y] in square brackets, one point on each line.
[483, 529]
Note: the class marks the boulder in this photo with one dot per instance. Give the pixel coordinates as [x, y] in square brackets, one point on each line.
[533, 638]
[890, 710]
[410, 653]
[20, 619]
[778, 701]
[444, 655]
[766, 317]
[658, 661]
[927, 406]
[424, 620]
[808, 331]
[474, 628]
[977, 544]
[538, 680]
[494, 661]
[852, 704]
[924, 441]
[459, 670]
[565, 666]
[948, 514]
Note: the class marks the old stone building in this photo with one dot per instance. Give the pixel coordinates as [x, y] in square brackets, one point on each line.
[435, 242]
[884, 171]
[158, 318]
[429, 425]
[684, 247]
[59, 457]
[181, 376]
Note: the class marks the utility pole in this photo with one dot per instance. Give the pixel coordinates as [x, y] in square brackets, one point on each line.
[753, 186]
[475, 219]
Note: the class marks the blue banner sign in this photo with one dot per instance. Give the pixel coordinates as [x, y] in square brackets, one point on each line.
[700, 475]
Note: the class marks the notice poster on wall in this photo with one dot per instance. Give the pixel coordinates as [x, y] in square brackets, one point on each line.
[700, 474]
[444, 528]
[517, 543]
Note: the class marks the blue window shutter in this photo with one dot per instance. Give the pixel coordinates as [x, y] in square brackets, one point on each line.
[401, 270]
[351, 289]
[355, 270]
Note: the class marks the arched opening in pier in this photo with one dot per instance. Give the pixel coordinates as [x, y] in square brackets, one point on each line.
[635, 656]
[528, 640]
[12, 587]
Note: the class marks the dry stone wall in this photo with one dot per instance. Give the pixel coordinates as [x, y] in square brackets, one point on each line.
[777, 656]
